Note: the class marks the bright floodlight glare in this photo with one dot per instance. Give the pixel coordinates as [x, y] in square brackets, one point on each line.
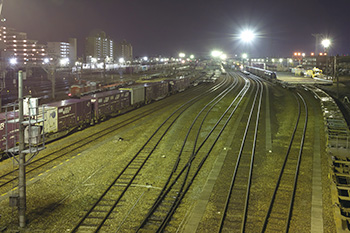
[145, 58]
[247, 36]
[182, 55]
[216, 53]
[13, 61]
[192, 56]
[244, 56]
[223, 56]
[121, 60]
[64, 61]
[46, 60]
[326, 43]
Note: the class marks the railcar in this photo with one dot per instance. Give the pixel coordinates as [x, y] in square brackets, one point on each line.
[178, 85]
[156, 91]
[8, 130]
[106, 104]
[65, 116]
[266, 74]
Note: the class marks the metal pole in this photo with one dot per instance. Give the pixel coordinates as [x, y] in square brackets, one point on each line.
[22, 159]
[335, 75]
[53, 81]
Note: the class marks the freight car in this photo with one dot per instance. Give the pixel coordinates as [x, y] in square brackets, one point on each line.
[106, 104]
[266, 74]
[178, 85]
[65, 116]
[8, 130]
[156, 91]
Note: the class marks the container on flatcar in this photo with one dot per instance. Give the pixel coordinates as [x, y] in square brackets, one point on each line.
[9, 130]
[108, 103]
[137, 94]
[66, 115]
[156, 90]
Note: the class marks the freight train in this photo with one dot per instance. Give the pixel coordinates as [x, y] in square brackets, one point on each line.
[65, 116]
[266, 74]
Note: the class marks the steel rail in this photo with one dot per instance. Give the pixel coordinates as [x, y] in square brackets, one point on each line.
[278, 182]
[176, 204]
[77, 146]
[234, 175]
[183, 107]
[162, 194]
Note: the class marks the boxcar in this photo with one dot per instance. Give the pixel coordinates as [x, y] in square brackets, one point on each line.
[178, 85]
[109, 103]
[137, 94]
[66, 115]
[9, 132]
[156, 90]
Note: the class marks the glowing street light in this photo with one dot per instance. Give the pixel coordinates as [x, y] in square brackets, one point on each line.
[223, 56]
[192, 56]
[244, 56]
[326, 43]
[121, 60]
[216, 53]
[247, 36]
[46, 60]
[145, 58]
[182, 55]
[13, 61]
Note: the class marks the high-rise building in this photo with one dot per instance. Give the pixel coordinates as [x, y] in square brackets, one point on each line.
[63, 50]
[124, 50]
[15, 45]
[99, 46]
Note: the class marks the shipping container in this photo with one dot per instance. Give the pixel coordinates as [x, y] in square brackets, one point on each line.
[137, 94]
[156, 90]
[66, 115]
[108, 103]
[178, 85]
[9, 133]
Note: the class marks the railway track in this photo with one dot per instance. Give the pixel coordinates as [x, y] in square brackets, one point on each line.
[183, 173]
[280, 208]
[237, 198]
[53, 158]
[100, 212]
[279, 211]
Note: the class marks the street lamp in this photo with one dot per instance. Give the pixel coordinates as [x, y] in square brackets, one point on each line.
[13, 61]
[216, 53]
[326, 43]
[182, 55]
[247, 36]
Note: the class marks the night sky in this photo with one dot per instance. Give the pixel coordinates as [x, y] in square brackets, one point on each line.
[167, 27]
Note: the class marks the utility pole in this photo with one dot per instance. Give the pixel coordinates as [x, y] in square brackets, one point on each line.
[53, 81]
[335, 75]
[22, 159]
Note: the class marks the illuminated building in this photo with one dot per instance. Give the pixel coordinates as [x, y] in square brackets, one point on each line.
[62, 50]
[99, 46]
[15, 44]
[124, 50]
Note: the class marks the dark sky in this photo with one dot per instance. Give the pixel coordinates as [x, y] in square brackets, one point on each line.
[167, 27]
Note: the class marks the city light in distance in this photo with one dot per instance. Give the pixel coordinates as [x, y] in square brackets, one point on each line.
[13, 61]
[216, 53]
[182, 55]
